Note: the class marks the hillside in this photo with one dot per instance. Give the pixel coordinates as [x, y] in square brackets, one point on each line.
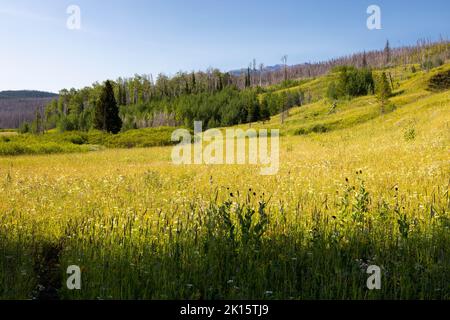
[314, 117]
[355, 187]
[26, 94]
[20, 106]
[410, 89]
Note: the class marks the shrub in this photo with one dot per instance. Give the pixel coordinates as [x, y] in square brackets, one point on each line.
[24, 127]
[440, 81]
[383, 90]
[319, 128]
[352, 82]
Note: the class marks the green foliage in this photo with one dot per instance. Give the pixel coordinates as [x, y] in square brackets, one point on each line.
[440, 81]
[352, 82]
[143, 103]
[223, 106]
[409, 133]
[24, 127]
[285, 84]
[29, 145]
[383, 89]
[316, 128]
[149, 137]
[332, 92]
[106, 116]
[77, 141]
[37, 126]
[274, 103]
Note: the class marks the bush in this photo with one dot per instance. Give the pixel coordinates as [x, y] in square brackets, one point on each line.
[352, 82]
[141, 138]
[440, 81]
[81, 141]
[317, 128]
[274, 103]
[76, 138]
[24, 127]
[25, 146]
[409, 134]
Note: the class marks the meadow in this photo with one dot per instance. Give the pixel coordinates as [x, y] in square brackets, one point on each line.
[12, 144]
[368, 189]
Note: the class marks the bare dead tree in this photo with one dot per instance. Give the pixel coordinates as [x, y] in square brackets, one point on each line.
[284, 60]
[261, 68]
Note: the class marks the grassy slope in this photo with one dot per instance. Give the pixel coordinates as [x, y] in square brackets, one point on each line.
[128, 217]
[410, 88]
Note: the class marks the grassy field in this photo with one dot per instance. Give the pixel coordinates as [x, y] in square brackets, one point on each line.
[370, 188]
[12, 144]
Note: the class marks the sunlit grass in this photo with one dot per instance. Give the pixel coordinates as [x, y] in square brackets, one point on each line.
[365, 192]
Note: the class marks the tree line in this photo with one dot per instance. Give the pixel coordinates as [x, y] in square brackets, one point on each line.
[221, 98]
[178, 101]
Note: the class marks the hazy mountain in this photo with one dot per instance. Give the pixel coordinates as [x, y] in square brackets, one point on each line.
[266, 69]
[19, 106]
[26, 94]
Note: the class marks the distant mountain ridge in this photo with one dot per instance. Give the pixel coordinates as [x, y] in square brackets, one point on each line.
[21, 105]
[26, 94]
[276, 67]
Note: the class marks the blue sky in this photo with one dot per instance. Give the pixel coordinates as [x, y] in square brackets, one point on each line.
[121, 38]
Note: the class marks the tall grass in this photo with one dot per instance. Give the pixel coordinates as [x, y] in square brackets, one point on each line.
[70, 142]
[363, 193]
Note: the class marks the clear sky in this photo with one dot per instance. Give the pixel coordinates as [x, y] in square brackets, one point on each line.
[121, 38]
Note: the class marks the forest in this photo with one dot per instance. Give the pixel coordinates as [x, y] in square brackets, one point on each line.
[217, 98]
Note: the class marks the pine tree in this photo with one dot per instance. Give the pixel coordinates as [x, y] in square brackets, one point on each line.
[106, 115]
[247, 78]
[383, 90]
[253, 112]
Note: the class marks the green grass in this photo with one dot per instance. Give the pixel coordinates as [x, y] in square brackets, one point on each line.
[69, 142]
[372, 189]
